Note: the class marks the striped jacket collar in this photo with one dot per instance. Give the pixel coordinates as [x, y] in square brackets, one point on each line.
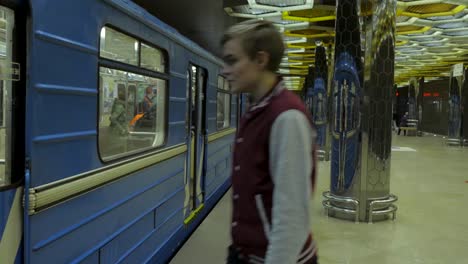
[267, 98]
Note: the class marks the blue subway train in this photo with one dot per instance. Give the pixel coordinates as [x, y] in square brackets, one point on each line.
[116, 133]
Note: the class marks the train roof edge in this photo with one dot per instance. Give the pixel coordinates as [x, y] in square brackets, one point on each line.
[138, 12]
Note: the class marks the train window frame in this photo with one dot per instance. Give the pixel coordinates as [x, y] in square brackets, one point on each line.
[223, 90]
[104, 62]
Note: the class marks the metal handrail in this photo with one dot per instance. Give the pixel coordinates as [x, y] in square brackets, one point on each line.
[142, 133]
[321, 154]
[391, 208]
[465, 142]
[329, 196]
[328, 205]
[454, 142]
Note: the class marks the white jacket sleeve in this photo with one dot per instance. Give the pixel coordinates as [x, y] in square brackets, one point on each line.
[291, 140]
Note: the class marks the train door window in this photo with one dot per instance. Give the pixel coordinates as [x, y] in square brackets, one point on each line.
[132, 107]
[223, 105]
[6, 81]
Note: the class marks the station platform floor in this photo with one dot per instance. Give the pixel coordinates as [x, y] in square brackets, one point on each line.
[431, 182]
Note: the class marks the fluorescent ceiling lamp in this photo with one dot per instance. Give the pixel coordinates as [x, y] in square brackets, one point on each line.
[282, 5]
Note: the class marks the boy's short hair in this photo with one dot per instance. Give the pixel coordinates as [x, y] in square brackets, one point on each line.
[258, 35]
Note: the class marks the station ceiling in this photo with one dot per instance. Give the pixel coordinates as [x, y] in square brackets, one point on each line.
[431, 35]
[202, 21]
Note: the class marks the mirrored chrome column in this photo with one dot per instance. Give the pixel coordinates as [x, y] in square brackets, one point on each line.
[420, 105]
[413, 105]
[378, 86]
[413, 91]
[455, 105]
[345, 100]
[331, 68]
[362, 110]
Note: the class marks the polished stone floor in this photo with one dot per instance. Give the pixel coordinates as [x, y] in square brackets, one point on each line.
[431, 181]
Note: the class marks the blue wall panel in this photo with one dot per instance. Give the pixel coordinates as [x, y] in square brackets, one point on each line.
[94, 234]
[219, 163]
[115, 249]
[156, 239]
[99, 215]
[92, 259]
[59, 161]
[175, 203]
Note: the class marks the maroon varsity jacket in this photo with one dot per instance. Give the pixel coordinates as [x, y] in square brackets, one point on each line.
[251, 179]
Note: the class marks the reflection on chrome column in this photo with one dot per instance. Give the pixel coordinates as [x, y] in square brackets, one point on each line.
[319, 103]
[362, 111]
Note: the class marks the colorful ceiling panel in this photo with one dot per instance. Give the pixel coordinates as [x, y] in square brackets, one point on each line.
[432, 35]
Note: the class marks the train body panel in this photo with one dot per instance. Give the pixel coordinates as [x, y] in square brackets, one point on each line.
[11, 232]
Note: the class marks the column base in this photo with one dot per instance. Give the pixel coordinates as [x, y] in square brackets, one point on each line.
[336, 204]
[465, 142]
[385, 211]
[347, 208]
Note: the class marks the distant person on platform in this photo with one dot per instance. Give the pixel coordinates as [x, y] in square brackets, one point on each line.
[274, 154]
[403, 123]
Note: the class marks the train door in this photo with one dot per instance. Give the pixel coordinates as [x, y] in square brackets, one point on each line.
[197, 77]
[12, 94]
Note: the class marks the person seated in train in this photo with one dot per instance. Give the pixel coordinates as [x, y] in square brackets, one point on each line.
[118, 118]
[274, 155]
[148, 104]
[147, 111]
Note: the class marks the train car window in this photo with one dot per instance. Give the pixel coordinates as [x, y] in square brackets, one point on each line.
[133, 113]
[223, 112]
[152, 59]
[118, 46]
[7, 21]
[132, 107]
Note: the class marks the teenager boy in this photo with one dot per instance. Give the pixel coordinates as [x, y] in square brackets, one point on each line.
[274, 155]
